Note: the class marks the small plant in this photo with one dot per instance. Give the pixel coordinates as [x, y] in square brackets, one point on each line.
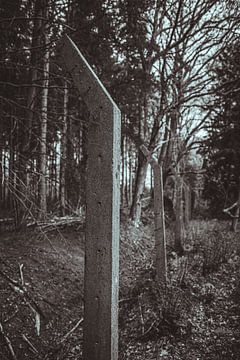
[208, 293]
[171, 306]
[178, 268]
[218, 249]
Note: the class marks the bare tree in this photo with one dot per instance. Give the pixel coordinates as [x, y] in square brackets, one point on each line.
[184, 40]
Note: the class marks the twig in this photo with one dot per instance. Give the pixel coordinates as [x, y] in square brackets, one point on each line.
[21, 273]
[6, 277]
[71, 331]
[11, 316]
[227, 210]
[41, 298]
[32, 347]
[148, 330]
[37, 318]
[57, 222]
[8, 342]
[52, 353]
[184, 271]
[141, 315]
[231, 207]
[125, 300]
[23, 292]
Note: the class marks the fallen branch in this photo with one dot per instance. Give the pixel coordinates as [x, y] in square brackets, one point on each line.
[125, 300]
[8, 342]
[31, 346]
[37, 319]
[227, 210]
[21, 273]
[53, 352]
[7, 220]
[15, 283]
[57, 222]
[141, 315]
[148, 330]
[21, 290]
[11, 316]
[64, 338]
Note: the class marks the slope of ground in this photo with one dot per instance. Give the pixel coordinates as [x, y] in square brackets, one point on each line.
[50, 284]
[195, 317]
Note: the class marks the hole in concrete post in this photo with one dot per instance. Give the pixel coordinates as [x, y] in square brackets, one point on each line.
[99, 158]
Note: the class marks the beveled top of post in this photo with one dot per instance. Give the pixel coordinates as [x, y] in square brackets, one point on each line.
[89, 86]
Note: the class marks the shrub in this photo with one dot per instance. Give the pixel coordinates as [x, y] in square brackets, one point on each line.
[217, 249]
[171, 306]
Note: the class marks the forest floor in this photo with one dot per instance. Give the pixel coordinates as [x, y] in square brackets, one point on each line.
[195, 317]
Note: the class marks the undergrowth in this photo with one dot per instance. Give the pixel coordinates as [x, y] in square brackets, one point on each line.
[181, 314]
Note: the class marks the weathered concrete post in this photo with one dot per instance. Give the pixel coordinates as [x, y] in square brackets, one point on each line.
[103, 203]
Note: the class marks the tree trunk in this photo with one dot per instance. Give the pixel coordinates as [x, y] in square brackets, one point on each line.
[24, 151]
[10, 175]
[70, 161]
[1, 169]
[63, 153]
[159, 219]
[179, 227]
[135, 212]
[130, 178]
[43, 136]
[187, 204]
[237, 212]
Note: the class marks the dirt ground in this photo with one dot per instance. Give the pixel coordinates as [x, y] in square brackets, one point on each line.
[52, 283]
[41, 296]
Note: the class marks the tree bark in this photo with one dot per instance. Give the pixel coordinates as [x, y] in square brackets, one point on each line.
[130, 178]
[1, 169]
[237, 212]
[135, 212]
[179, 226]
[63, 153]
[20, 192]
[43, 129]
[159, 219]
[187, 204]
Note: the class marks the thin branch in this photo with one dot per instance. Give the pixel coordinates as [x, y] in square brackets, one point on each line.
[64, 338]
[8, 342]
